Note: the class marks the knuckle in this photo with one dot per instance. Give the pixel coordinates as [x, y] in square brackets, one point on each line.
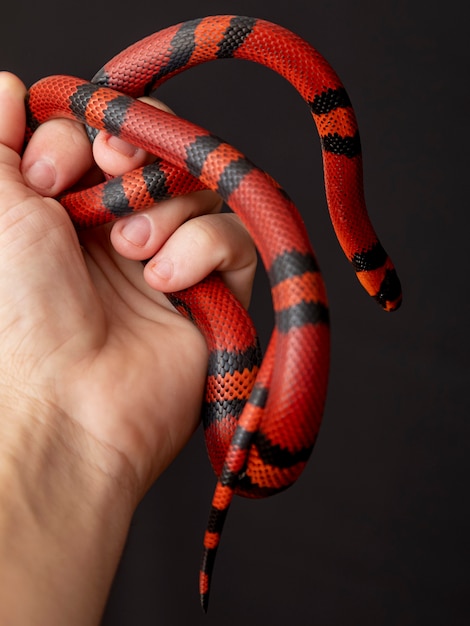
[206, 232]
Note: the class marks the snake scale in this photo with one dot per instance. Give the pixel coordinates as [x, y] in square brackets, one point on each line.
[261, 416]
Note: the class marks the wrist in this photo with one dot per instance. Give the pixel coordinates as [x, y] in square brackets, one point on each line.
[63, 518]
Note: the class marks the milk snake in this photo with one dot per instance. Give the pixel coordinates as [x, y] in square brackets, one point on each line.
[261, 419]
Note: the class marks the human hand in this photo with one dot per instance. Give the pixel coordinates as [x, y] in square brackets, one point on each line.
[86, 329]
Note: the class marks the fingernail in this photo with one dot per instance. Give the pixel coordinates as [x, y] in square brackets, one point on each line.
[137, 230]
[41, 175]
[163, 268]
[122, 146]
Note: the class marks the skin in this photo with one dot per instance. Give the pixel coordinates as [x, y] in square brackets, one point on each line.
[101, 380]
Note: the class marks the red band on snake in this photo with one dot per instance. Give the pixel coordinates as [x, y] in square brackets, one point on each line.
[261, 418]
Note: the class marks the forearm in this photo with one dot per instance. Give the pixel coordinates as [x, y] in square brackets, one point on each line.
[63, 522]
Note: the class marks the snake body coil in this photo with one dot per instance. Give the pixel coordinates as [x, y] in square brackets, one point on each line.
[261, 419]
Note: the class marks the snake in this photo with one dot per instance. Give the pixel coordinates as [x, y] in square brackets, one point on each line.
[261, 415]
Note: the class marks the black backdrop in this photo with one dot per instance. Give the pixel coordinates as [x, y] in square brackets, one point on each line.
[375, 532]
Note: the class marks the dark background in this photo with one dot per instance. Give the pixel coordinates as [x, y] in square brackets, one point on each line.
[376, 530]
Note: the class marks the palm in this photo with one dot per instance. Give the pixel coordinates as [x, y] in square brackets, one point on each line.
[151, 366]
[124, 365]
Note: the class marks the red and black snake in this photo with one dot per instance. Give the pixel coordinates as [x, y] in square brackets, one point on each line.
[261, 419]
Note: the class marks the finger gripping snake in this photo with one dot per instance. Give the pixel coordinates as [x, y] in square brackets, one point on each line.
[261, 417]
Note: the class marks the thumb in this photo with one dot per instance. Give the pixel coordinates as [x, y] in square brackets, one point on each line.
[13, 118]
